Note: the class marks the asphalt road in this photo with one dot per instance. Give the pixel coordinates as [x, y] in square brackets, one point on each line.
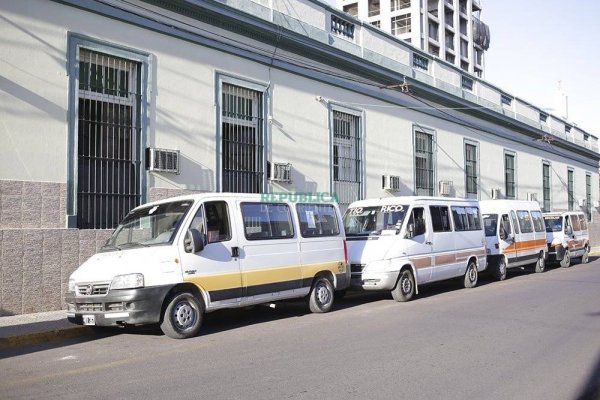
[533, 336]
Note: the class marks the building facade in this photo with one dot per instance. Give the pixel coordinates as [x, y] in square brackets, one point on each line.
[449, 29]
[107, 104]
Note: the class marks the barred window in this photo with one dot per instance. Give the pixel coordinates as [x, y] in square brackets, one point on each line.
[570, 189]
[424, 168]
[471, 170]
[108, 139]
[588, 197]
[509, 176]
[242, 140]
[546, 191]
[347, 159]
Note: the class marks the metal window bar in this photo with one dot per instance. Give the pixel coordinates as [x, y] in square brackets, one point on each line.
[546, 187]
[509, 173]
[571, 197]
[424, 164]
[347, 163]
[471, 169]
[420, 62]
[242, 140]
[588, 197]
[109, 159]
[399, 4]
[401, 24]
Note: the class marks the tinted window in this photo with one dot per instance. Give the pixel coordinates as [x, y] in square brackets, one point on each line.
[538, 221]
[267, 221]
[466, 218]
[524, 221]
[473, 218]
[317, 220]
[513, 218]
[440, 218]
[417, 221]
[575, 222]
[490, 223]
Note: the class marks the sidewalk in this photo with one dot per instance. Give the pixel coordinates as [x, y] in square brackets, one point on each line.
[20, 330]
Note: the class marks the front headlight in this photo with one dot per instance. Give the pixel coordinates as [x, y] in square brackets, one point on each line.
[129, 281]
[556, 242]
[71, 285]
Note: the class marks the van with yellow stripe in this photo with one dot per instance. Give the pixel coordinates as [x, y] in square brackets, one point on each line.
[567, 236]
[515, 235]
[171, 261]
[399, 243]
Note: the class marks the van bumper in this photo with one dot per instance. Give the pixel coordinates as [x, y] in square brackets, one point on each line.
[375, 280]
[118, 307]
[555, 253]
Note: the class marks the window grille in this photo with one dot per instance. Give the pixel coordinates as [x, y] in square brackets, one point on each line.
[509, 174]
[543, 117]
[467, 83]
[109, 135]
[420, 62]
[401, 24]
[505, 100]
[546, 187]
[396, 5]
[570, 194]
[342, 27]
[347, 163]
[242, 140]
[424, 171]
[471, 170]
[588, 196]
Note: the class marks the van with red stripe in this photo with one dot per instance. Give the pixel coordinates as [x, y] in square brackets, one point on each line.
[567, 237]
[515, 235]
[173, 260]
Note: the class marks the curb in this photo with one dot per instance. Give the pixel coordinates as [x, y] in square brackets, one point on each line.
[42, 337]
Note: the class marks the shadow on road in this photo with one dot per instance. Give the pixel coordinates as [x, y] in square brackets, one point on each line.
[591, 389]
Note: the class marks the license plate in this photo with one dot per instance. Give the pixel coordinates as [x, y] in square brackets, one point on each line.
[89, 320]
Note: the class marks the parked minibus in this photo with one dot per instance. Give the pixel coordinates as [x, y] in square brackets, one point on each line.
[171, 261]
[567, 237]
[400, 243]
[515, 235]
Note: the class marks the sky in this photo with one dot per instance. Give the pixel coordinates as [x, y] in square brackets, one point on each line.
[536, 43]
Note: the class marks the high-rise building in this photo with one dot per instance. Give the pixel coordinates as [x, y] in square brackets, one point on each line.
[448, 29]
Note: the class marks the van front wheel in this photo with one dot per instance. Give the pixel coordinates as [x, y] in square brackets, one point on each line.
[540, 265]
[500, 269]
[182, 317]
[320, 299]
[585, 258]
[566, 261]
[470, 279]
[405, 288]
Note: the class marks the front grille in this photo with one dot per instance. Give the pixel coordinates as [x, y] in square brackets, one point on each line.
[87, 307]
[356, 268]
[98, 289]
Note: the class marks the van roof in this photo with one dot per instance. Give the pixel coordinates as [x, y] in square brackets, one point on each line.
[410, 200]
[561, 213]
[497, 205]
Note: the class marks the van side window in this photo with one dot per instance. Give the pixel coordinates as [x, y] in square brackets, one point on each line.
[473, 218]
[524, 221]
[575, 222]
[267, 221]
[317, 220]
[440, 218]
[582, 222]
[567, 223]
[513, 218]
[506, 224]
[417, 220]
[466, 218]
[538, 221]
[217, 221]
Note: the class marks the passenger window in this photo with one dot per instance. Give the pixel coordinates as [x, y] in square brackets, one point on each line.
[583, 223]
[473, 218]
[440, 218]
[506, 224]
[317, 220]
[417, 221]
[513, 218]
[538, 221]
[524, 221]
[460, 218]
[567, 224]
[267, 221]
[212, 219]
[575, 222]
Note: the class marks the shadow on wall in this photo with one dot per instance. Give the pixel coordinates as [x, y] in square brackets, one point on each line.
[19, 92]
[193, 176]
[4, 313]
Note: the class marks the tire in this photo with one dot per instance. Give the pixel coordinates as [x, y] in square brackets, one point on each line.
[585, 258]
[182, 317]
[471, 275]
[320, 299]
[499, 271]
[405, 288]
[566, 261]
[540, 265]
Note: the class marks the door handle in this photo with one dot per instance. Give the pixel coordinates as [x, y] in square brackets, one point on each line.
[235, 252]
[430, 243]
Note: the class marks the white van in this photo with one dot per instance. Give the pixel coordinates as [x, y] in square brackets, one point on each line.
[567, 237]
[515, 235]
[399, 243]
[171, 261]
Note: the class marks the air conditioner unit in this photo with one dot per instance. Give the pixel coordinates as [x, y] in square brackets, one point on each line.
[496, 193]
[532, 196]
[390, 182]
[445, 188]
[280, 172]
[162, 160]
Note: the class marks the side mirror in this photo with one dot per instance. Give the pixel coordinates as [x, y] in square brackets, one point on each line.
[410, 231]
[194, 241]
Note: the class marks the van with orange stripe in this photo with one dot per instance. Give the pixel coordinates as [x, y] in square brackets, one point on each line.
[567, 236]
[515, 235]
[171, 261]
[399, 243]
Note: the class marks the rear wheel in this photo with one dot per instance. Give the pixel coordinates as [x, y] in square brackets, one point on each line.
[540, 265]
[566, 261]
[499, 271]
[585, 258]
[405, 288]
[470, 278]
[321, 296]
[182, 317]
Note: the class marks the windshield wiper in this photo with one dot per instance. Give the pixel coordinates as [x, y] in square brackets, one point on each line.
[110, 246]
[132, 244]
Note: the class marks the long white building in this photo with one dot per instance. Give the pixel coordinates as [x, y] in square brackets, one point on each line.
[106, 104]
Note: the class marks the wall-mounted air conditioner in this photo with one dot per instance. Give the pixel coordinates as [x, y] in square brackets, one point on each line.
[445, 188]
[162, 160]
[390, 182]
[496, 194]
[280, 172]
[532, 196]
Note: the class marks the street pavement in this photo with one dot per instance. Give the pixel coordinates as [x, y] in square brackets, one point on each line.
[533, 336]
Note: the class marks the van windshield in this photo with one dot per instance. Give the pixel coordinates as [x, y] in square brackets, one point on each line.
[553, 224]
[490, 222]
[149, 226]
[365, 221]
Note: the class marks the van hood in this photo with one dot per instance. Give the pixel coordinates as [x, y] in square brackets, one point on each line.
[149, 261]
[364, 250]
